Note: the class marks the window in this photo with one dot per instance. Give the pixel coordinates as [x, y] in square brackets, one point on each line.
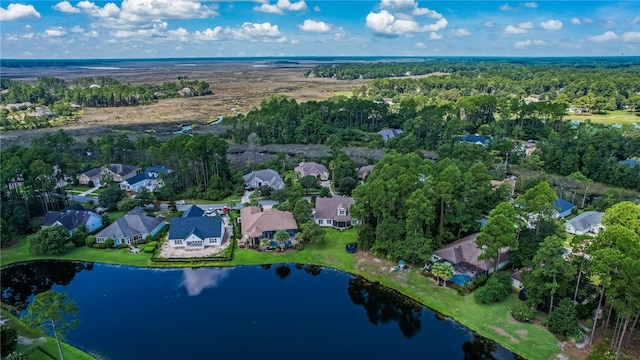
[342, 212]
[321, 222]
[177, 242]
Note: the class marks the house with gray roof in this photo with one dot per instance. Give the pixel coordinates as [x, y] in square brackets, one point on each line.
[334, 212]
[589, 222]
[312, 169]
[196, 232]
[72, 217]
[389, 134]
[132, 228]
[364, 171]
[260, 178]
[475, 139]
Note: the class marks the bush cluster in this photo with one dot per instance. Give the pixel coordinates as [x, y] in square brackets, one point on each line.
[100, 245]
[522, 312]
[497, 288]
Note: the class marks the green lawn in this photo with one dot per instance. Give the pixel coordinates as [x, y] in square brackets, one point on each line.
[613, 117]
[48, 345]
[491, 321]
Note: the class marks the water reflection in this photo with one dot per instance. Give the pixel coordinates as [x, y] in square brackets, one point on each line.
[479, 349]
[196, 280]
[283, 271]
[384, 305]
[20, 282]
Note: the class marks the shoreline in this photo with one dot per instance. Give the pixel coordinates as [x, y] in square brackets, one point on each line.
[444, 301]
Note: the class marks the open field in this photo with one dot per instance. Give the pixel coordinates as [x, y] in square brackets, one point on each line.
[621, 117]
[236, 85]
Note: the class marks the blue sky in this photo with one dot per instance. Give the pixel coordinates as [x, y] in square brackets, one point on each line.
[206, 28]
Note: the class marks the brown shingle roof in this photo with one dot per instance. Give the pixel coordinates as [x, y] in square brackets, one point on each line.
[327, 208]
[312, 168]
[255, 222]
[466, 250]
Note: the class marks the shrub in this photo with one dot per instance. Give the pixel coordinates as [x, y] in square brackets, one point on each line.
[90, 240]
[109, 242]
[497, 288]
[480, 280]
[152, 243]
[588, 323]
[100, 246]
[522, 312]
[9, 338]
[149, 249]
[122, 246]
[563, 320]
[90, 184]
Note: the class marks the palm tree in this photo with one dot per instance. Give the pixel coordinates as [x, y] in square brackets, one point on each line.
[442, 270]
[281, 236]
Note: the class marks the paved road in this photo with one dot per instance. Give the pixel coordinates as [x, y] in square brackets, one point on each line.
[86, 199]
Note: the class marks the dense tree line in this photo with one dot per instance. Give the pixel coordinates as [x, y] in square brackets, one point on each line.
[101, 92]
[33, 177]
[589, 83]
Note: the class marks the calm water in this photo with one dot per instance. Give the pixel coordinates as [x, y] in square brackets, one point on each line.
[270, 312]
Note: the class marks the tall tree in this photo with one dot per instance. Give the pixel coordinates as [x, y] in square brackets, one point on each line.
[500, 231]
[50, 241]
[52, 310]
[537, 204]
[442, 270]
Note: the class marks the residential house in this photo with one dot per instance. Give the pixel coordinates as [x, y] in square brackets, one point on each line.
[475, 139]
[193, 211]
[364, 171]
[72, 217]
[314, 169]
[196, 232]
[463, 255]
[589, 222]
[116, 172]
[510, 183]
[259, 178]
[257, 224]
[148, 179]
[132, 228]
[389, 134]
[516, 280]
[334, 212]
[564, 208]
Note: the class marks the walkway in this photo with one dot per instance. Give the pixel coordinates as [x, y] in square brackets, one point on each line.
[86, 193]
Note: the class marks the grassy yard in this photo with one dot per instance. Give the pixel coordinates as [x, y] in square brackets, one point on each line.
[347, 94]
[613, 117]
[491, 321]
[41, 343]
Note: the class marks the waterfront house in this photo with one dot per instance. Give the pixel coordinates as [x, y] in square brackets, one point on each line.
[313, 169]
[257, 224]
[72, 217]
[463, 255]
[132, 228]
[334, 212]
[196, 232]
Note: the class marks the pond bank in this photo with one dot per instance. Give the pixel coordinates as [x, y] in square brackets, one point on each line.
[491, 321]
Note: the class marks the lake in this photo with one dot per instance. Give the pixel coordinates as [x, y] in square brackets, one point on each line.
[286, 311]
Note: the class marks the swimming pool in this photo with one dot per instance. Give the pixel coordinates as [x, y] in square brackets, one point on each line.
[460, 279]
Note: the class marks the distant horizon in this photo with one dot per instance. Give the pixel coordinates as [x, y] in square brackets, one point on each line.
[118, 29]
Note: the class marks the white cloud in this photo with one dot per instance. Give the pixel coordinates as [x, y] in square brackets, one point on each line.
[19, 12]
[28, 27]
[521, 28]
[435, 36]
[531, 5]
[317, 8]
[576, 21]
[551, 25]
[77, 29]
[526, 43]
[421, 45]
[315, 26]
[55, 32]
[28, 36]
[489, 24]
[66, 8]
[280, 6]
[460, 32]
[635, 20]
[264, 32]
[607, 36]
[110, 10]
[91, 34]
[384, 23]
[165, 9]
[196, 280]
[295, 42]
[339, 34]
[631, 36]
[408, 8]
[608, 23]
[216, 33]
[505, 7]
